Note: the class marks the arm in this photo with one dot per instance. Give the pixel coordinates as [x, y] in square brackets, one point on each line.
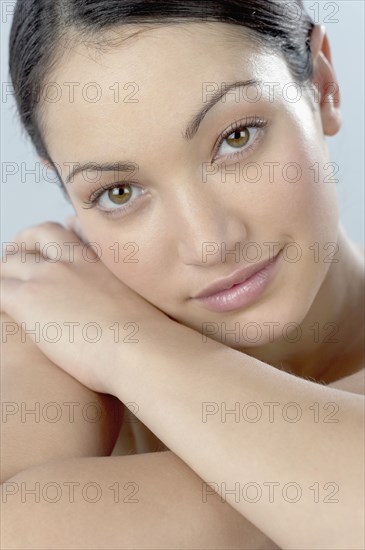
[192, 381]
[355, 383]
[169, 487]
[147, 501]
[45, 413]
[31, 382]
[77, 439]
[171, 375]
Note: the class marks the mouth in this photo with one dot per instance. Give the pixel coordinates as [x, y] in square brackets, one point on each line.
[240, 288]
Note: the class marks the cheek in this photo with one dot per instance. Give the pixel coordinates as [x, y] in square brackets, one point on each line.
[306, 213]
[132, 262]
[138, 258]
[310, 221]
[295, 202]
[299, 196]
[124, 261]
[310, 200]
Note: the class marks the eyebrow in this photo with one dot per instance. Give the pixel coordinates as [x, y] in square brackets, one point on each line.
[102, 167]
[191, 130]
[197, 119]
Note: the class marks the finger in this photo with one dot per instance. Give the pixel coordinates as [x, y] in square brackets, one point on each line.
[44, 233]
[20, 266]
[51, 239]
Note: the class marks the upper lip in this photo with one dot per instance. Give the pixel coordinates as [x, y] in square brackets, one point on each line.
[237, 277]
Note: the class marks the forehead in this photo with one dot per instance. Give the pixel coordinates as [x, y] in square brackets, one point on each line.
[157, 75]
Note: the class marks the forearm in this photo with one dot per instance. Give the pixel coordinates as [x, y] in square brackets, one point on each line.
[183, 378]
[47, 414]
[149, 501]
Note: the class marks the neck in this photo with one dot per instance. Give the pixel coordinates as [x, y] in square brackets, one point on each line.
[332, 342]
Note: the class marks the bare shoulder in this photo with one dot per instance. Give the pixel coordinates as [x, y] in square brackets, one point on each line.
[354, 383]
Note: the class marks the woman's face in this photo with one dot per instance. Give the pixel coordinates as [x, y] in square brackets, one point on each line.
[169, 235]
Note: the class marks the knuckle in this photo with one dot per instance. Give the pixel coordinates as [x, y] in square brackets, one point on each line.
[37, 228]
[17, 237]
[50, 225]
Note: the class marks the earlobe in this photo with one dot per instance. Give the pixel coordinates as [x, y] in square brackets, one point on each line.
[325, 80]
[331, 116]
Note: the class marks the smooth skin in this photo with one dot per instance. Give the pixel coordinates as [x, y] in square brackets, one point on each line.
[178, 215]
[29, 455]
[64, 451]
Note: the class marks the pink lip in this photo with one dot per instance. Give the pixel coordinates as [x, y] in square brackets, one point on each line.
[239, 289]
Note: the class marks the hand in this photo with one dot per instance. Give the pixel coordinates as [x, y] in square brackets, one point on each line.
[72, 285]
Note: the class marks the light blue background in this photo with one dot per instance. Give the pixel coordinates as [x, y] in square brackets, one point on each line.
[30, 202]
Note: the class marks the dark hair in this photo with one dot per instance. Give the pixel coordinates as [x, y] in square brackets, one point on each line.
[39, 26]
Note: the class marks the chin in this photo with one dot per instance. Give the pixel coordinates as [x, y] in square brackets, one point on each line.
[276, 319]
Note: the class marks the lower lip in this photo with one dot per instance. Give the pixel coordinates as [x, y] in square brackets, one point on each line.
[243, 294]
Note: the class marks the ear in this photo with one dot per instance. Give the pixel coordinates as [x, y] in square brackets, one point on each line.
[325, 80]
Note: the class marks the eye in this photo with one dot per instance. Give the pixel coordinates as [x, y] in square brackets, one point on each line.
[118, 196]
[239, 137]
[114, 198]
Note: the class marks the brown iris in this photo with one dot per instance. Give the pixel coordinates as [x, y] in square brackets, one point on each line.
[238, 140]
[120, 195]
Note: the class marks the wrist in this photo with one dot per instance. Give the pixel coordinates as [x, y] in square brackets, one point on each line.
[140, 342]
[161, 346]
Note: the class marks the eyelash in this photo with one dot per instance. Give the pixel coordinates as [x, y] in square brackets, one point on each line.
[92, 201]
[236, 126]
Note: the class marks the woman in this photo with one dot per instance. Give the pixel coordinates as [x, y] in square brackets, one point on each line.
[219, 299]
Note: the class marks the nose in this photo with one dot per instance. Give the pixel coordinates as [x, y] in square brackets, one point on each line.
[206, 229]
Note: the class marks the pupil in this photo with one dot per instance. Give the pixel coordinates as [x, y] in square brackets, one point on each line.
[239, 140]
[120, 195]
